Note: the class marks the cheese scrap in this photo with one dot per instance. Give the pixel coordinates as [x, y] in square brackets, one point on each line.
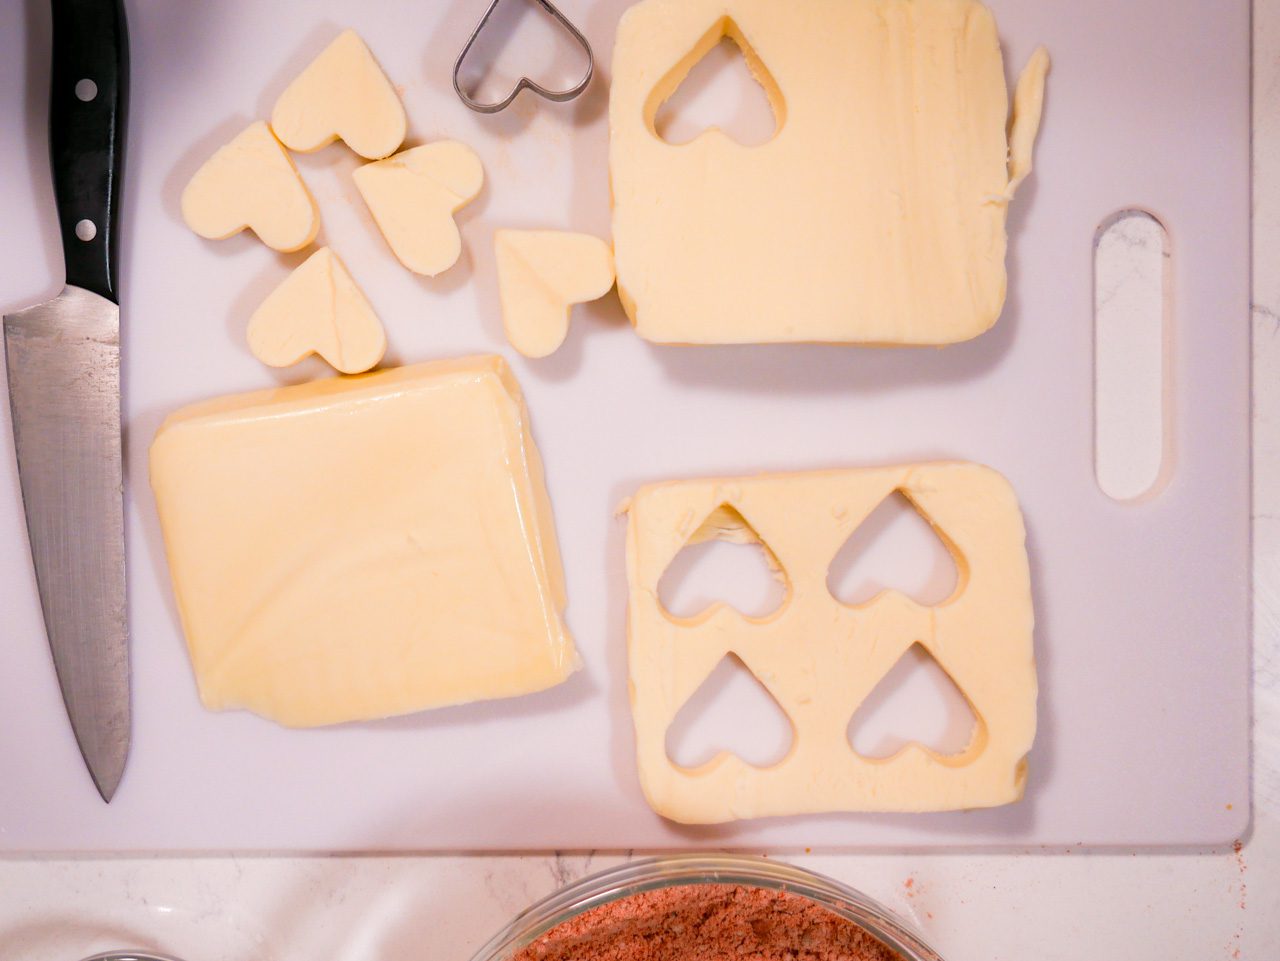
[874, 215]
[541, 275]
[1028, 108]
[413, 197]
[318, 309]
[341, 95]
[819, 658]
[362, 547]
[251, 183]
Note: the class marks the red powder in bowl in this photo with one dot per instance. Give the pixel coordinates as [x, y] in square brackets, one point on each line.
[708, 922]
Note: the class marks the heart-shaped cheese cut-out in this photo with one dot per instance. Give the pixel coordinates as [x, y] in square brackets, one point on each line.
[342, 94]
[541, 275]
[413, 197]
[252, 183]
[318, 309]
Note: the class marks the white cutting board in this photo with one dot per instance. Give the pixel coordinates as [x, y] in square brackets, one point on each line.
[1143, 627]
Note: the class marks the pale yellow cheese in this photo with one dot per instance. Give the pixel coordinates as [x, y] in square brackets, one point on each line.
[819, 658]
[318, 309]
[364, 546]
[413, 197]
[251, 183]
[1028, 107]
[342, 94]
[875, 214]
[541, 275]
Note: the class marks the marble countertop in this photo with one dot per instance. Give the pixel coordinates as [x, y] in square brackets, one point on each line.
[1049, 905]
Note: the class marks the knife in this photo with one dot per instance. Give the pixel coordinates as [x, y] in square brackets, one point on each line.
[63, 362]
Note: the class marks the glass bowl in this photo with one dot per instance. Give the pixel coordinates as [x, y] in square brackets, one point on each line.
[672, 871]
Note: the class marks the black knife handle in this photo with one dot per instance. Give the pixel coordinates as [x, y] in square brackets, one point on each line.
[87, 107]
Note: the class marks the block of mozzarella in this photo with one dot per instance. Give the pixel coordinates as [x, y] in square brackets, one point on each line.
[819, 658]
[251, 183]
[318, 309]
[341, 95]
[413, 197]
[874, 215]
[362, 547]
[541, 275]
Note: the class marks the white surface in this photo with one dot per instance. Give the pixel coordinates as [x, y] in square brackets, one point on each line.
[1142, 609]
[1132, 904]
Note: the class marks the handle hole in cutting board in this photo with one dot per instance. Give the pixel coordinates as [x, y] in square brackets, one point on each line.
[895, 547]
[730, 711]
[916, 702]
[1131, 355]
[728, 88]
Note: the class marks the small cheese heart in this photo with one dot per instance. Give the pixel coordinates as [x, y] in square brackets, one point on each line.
[252, 183]
[413, 197]
[541, 275]
[318, 309]
[342, 94]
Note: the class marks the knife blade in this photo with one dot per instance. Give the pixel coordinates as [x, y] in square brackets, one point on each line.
[63, 363]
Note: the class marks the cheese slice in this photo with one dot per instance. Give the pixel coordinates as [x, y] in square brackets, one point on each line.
[875, 214]
[251, 183]
[819, 658]
[342, 94]
[361, 547]
[413, 197]
[318, 309]
[541, 275]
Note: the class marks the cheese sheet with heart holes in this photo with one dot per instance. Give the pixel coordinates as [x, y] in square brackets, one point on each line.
[821, 659]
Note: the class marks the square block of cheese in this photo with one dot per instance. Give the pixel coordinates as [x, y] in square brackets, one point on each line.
[874, 215]
[820, 658]
[363, 547]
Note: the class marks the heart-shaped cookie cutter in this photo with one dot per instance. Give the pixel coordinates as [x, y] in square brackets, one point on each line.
[524, 83]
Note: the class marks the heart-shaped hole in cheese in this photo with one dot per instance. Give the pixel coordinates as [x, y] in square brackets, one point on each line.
[251, 183]
[541, 275]
[731, 711]
[722, 85]
[724, 562]
[917, 702]
[896, 547]
[413, 197]
[318, 309]
[341, 95]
